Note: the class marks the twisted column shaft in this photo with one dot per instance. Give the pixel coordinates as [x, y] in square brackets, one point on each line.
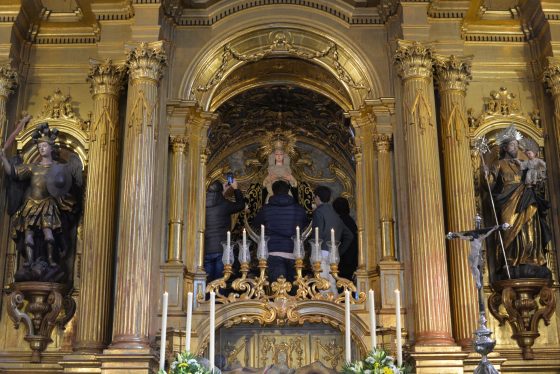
[453, 75]
[93, 332]
[429, 262]
[135, 246]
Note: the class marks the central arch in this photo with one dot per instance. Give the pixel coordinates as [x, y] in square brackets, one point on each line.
[252, 57]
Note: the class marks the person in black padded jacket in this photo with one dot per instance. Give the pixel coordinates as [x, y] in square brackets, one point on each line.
[218, 222]
[280, 217]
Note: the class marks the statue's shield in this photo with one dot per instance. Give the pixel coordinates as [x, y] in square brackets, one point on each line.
[59, 180]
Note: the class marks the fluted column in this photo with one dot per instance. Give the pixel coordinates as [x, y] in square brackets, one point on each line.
[8, 81]
[366, 206]
[197, 134]
[552, 80]
[93, 333]
[385, 183]
[453, 75]
[135, 246]
[177, 193]
[427, 247]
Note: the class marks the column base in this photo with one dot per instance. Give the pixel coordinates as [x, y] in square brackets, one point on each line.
[81, 363]
[438, 359]
[128, 361]
[391, 275]
[362, 280]
[199, 285]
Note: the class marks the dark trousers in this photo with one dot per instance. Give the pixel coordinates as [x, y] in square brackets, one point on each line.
[213, 266]
[278, 266]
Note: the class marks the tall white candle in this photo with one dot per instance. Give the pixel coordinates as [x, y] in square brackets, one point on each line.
[398, 326]
[332, 237]
[189, 322]
[163, 330]
[372, 321]
[244, 238]
[317, 236]
[262, 234]
[228, 239]
[212, 329]
[298, 239]
[347, 340]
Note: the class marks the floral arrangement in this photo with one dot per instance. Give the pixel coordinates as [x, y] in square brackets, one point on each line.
[376, 362]
[186, 363]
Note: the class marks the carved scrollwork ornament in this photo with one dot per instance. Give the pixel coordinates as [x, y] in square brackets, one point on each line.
[383, 142]
[526, 302]
[551, 76]
[452, 72]
[48, 305]
[8, 80]
[147, 61]
[105, 77]
[413, 60]
[178, 144]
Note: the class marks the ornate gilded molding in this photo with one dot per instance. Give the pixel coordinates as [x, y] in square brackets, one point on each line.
[147, 61]
[452, 72]
[383, 142]
[522, 311]
[46, 305]
[367, 15]
[179, 143]
[105, 77]
[551, 75]
[280, 43]
[8, 80]
[413, 60]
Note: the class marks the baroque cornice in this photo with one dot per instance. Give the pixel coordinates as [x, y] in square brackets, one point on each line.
[413, 59]
[452, 72]
[345, 12]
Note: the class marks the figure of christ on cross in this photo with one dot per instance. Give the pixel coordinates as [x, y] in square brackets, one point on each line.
[476, 237]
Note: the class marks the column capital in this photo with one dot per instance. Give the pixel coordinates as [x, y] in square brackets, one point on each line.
[178, 143]
[8, 79]
[551, 75]
[383, 142]
[452, 72]
[413, 59]
[105, 77]
[147, 60]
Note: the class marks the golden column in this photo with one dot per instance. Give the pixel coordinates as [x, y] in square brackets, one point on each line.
[93, 332]
[364, 125]
[385, 183]
[425, 207]
[552, 79]
[176, 204]
[8, 81]
[453, 74]
[135, 246]
[198, 123]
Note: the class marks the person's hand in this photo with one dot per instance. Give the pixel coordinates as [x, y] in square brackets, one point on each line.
[26, 119]
[234, 184]
[486, 171]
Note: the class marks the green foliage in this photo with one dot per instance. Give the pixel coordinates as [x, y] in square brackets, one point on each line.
[186, 363]
[376, 362]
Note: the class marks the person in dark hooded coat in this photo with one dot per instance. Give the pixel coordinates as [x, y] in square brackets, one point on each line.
[218, 223]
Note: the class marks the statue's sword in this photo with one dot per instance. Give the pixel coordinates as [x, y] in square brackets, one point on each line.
[16, 131]
[481, 145]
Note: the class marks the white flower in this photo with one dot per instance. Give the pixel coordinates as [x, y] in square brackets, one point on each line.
[370, 360]
[367, 371]
[192, 361]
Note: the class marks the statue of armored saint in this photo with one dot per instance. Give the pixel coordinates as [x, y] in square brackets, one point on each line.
[45, 199]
